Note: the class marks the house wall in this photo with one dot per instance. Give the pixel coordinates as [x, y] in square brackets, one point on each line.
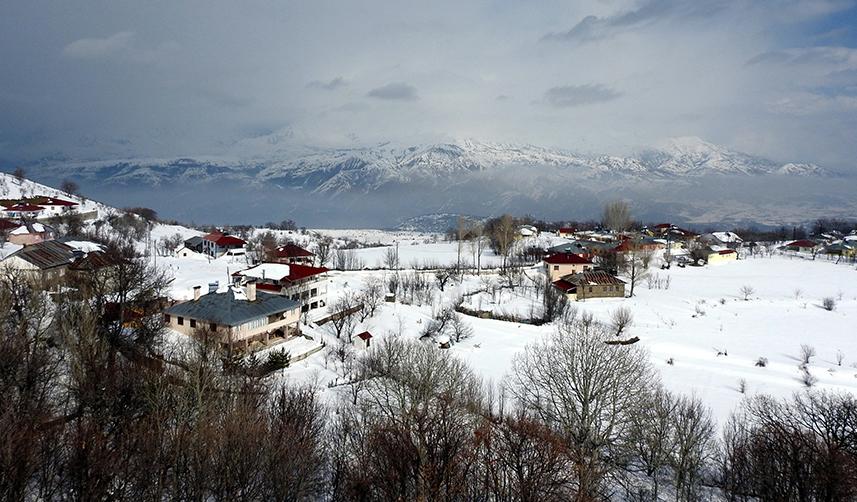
[558, 271]
[716, 258]
[27, 239]
[601, 291]
[237, 334]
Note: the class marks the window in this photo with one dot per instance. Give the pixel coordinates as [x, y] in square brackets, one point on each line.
[556, 267]
[167, 318]
[213, 327]
[590, 289]
[193, 323]
[313, 292]
[181, 321]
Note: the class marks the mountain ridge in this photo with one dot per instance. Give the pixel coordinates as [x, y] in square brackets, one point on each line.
[370, 168]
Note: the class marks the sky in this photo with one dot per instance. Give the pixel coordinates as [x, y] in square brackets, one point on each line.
[112, 79]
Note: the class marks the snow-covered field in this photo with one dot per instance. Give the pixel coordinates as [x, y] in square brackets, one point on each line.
[702, 314]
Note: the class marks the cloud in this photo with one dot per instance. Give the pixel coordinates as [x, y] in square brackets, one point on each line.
[396, 91]
[330, 85]
[568, 96]
[825, 55]
[93, 48]
[593, 27]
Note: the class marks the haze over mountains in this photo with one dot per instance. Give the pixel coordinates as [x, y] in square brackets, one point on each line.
[271, 178]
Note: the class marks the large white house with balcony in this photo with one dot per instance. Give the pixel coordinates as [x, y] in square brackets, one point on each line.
[301, 283]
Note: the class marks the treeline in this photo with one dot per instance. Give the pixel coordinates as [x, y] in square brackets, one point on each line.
[95, 405]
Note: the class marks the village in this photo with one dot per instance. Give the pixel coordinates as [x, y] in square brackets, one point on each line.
[311, 302]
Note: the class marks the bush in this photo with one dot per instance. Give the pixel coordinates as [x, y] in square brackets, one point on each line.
[828, 303]
[278, 360]
[762, 362]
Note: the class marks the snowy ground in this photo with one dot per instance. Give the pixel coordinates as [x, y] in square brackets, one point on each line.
[703, 313]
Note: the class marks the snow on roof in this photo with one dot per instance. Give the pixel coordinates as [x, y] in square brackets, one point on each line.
[85, 246]
[727, 237]
[273, 271]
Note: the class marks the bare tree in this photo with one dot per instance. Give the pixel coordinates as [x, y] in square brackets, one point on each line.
[391, 258]
[372, 295]
[620, 320]
[590, 391]
[747, 291]
[444, 274]
[616, 216]
[692, 446]
[636, 265]
[476, 231]
[69, 187]
[652, 434]
[323, 248]
[807, 352]
[504, 235]
[343, 323]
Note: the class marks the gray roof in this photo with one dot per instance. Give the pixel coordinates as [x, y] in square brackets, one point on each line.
[225, 309]
[46, 255]
[193, 241]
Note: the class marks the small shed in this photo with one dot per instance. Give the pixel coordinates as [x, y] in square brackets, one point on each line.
[363, 340]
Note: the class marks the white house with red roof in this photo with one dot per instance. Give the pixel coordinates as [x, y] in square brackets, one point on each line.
[561, 264]
[36, 207]
[301, 283]
[217, 244]
[22, 210]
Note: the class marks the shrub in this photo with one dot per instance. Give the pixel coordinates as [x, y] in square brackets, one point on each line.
[808, 378]
[828, 303]
[807, 352]
[762, 362]
[278, 360]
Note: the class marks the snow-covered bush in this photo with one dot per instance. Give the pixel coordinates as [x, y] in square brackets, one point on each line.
[828, 303]
[762, 362]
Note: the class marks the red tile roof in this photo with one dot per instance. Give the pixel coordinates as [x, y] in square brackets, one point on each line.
[803, 243]
[221, 239]
[50, 201]
[365, 335]
[292, 251]
[726, 251]
[564, 285]
[298, 272]
[24, 207]
[268, 287]
[566, 230]
[567, 259]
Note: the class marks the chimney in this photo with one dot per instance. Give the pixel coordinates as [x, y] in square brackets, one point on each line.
[251, 291]
[196, 290]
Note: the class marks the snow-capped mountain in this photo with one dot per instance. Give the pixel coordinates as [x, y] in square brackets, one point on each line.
[371, 168]
[683, 178]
